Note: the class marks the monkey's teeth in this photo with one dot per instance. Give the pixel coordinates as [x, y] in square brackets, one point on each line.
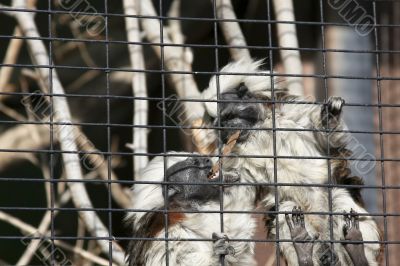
[215, 175]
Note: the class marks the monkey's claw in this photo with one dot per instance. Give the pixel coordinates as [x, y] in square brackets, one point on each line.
[335, 105]
[330, 113]
[351, 228]
[221, 245]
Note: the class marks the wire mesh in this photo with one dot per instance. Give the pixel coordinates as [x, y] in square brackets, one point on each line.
[54, 213]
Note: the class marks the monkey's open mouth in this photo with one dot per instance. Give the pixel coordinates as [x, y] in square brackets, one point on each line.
[228, 178]
[213, 176]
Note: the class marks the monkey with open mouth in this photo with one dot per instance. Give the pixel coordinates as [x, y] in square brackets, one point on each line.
[193, 203]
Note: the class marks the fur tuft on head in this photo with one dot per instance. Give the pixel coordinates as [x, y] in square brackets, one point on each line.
[252, 77]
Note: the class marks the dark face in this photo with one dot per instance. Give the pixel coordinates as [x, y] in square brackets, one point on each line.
[193, 170]
[242, 114]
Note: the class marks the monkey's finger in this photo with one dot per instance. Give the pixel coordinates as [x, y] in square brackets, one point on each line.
[356, 222]
[347, 221]
[217, 236]
[345, 230]
[289, 223]
[302, 220]
[295, 215]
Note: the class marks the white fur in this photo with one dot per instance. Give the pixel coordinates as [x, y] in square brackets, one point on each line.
[298, 171]
[260, 83]
[197, 225]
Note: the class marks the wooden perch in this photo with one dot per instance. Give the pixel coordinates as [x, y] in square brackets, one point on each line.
[231, 30]
[287, 38]
[139, 89]
[65, 133]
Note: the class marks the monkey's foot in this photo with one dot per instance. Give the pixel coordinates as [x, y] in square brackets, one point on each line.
[351, 231]
[304, 243]
[221, 245]
[331, 112]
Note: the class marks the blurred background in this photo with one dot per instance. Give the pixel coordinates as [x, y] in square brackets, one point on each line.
[362, 67]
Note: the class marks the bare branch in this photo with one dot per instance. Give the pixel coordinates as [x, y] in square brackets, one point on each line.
[176, 59]
[20, 137]
[10, 112]
[139, 89]
[231, 30]
[41, 230]
[287, 38]
[28, 229]
[11, 57]
[66, 134]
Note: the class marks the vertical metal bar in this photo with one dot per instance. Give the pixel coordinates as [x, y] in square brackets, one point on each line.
[109, 156]
[380, 125]
[53, 182]
[324, 68]
[220, 144]
[276, 194]
[164, 130]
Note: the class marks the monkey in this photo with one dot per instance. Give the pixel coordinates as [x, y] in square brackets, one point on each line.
[193, 215]
[275, 127]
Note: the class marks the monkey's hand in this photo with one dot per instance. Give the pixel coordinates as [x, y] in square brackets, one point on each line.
[221, 245]
[304, 243]
[351, 231]
[330, 114]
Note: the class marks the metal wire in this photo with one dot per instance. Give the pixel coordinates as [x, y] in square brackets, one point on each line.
[160, 124]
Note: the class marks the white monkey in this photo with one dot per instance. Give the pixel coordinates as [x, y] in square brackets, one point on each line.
[267, 142]
[203, 199]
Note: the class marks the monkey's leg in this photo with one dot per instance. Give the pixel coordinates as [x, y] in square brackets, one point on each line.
[298, 232]
[352, 232]
[331, 113]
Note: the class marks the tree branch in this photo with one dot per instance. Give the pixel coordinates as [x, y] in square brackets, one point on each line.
[287, 38]
[10, 58]
[28, 229]
[232, 32]
[65, 133]
[139, 89]
[41, 230]
[176, 59]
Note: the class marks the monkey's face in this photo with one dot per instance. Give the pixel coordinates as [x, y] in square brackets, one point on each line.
[240, 114]
[193, 170]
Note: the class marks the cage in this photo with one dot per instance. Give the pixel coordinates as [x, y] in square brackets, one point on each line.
[92, 91]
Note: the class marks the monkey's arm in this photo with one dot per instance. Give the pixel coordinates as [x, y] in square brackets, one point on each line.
[305, 245]
[352, 232]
